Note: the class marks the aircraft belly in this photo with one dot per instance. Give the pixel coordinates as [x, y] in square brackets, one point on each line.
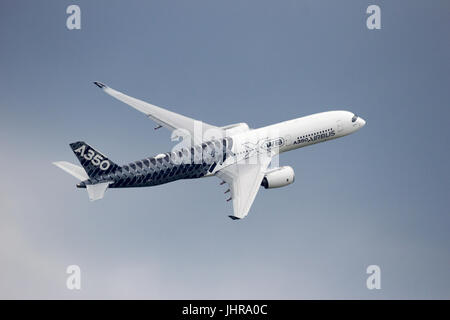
[148, 178]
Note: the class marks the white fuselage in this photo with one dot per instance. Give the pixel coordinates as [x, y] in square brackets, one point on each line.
[293, 134]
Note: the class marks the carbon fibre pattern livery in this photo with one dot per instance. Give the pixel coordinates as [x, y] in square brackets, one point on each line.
[163, 168]
[94, 163]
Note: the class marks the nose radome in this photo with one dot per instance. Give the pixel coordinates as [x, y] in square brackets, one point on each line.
[362, 121]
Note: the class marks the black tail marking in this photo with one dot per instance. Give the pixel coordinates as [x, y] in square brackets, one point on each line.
[93, 162]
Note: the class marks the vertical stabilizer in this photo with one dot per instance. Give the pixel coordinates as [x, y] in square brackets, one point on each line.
[93, 162]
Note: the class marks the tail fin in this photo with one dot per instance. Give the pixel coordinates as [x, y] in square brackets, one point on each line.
[93, 162]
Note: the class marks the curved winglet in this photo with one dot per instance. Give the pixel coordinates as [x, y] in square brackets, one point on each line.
[100, 85]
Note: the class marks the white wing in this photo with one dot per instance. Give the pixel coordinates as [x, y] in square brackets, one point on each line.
[244, 179]
[163, 117]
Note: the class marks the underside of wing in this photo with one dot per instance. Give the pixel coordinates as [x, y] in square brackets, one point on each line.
[244, 179]
[165, 118]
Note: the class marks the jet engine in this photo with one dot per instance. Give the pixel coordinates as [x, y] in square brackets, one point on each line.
[233, 129]
[278, 177]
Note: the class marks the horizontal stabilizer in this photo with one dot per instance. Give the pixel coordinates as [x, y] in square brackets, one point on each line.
[76, 171]
[97, 191]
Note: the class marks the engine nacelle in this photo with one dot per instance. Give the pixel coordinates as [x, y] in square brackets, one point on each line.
[236, 128]
[278, 177]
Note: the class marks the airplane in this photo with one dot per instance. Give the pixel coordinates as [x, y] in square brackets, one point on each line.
[236, 154]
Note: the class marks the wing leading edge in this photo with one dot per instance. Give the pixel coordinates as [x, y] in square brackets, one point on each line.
[165, 118]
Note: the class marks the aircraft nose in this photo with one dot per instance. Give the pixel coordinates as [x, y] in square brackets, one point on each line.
[362, 122]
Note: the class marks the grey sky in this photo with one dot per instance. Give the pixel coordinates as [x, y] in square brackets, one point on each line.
[379, 196]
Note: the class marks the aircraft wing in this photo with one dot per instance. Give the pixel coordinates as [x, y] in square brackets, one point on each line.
[163, 117]
[244, 178]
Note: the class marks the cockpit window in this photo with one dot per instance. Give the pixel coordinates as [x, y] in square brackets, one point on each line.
[354, 118]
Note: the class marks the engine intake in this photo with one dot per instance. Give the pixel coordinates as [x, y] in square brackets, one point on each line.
[278, 177]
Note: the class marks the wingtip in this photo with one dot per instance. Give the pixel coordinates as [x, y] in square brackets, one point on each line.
[234, 218]
[100, 85]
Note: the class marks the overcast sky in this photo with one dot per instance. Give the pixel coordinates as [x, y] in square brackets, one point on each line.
[379, 196]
